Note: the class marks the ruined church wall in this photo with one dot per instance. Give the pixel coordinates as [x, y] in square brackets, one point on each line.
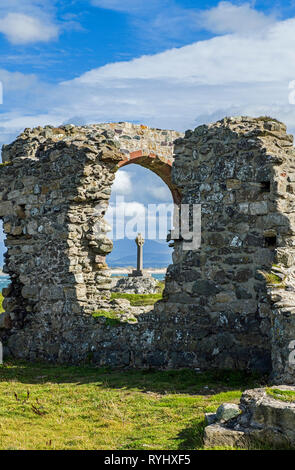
[51, 257]
[55, 187]
[241, 171]
[223, 306]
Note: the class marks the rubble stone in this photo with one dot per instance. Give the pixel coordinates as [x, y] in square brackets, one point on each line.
[264, 420]
[137, 285]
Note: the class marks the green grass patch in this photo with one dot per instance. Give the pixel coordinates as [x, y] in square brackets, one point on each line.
[45, 406]
[111, 316]
[138, 300]
[273, 279]
[1, 303]
[283, 395]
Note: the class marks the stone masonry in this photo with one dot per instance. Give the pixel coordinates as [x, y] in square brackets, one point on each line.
[229, 304]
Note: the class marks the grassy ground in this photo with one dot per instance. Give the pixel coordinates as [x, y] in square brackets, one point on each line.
[61, 407]
[111, 316]
[1, 300]
[53, 407]
[137, 300]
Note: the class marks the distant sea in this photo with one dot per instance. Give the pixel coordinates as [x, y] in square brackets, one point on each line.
[5, 280]
[158, 276]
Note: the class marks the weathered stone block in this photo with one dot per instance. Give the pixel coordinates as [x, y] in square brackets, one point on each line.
[227, 411]
[30, 292]
[264, 420]
[6, 208]
[206, 288]
[258, 208]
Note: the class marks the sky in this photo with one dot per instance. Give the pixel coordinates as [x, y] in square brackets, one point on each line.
[146, 201]
[164, 63]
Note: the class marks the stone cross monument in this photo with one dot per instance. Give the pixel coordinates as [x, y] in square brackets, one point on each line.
[139, 242]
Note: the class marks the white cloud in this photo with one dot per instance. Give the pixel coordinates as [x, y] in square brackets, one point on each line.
[232, 74]
[229, 18]
[225, 59]
[28, 6]
[134, 208]
[162, 193]
[227, 75]
[19, 28]
[129, 6]
[16, 81]
[127, 219]
[122, 184]
[179, 88]
[168, 19]
[147, 208]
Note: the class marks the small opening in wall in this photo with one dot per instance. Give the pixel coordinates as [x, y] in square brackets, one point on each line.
[265, 187]
[270, 242]
[21, 211]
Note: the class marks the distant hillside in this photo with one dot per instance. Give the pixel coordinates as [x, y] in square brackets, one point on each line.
[155, 254]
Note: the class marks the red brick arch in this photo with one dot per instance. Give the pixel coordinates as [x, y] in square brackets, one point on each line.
[161, 166]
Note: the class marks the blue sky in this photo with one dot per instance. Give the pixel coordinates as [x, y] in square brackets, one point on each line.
[164, 63]
[89, 34]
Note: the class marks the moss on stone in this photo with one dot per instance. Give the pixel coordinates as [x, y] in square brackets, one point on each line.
[273, 279]
[266, 119]
[283, 395]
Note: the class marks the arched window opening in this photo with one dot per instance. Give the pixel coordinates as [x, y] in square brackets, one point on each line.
[141, 203]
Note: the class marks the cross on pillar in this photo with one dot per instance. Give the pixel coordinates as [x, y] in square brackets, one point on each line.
[139, 242]
[139, 271]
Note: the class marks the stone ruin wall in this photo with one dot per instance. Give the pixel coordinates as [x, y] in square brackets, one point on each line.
[241, 281]
[229, 304]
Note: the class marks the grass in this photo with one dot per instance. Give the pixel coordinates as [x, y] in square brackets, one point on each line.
[111, 316]
[283, 395]
[273, 279]
[65, 407]
[1, 301]
[138, 300]
[135, 300]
